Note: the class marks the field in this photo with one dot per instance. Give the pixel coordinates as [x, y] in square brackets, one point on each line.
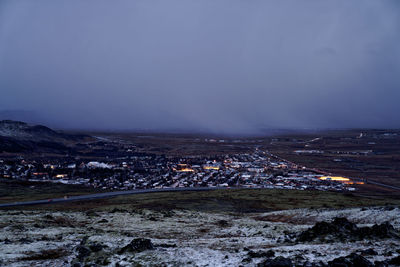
[15, 191]
[229, 200]
[370, 154]
[180, 144]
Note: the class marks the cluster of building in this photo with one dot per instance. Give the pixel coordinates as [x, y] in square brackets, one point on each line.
[259, 169]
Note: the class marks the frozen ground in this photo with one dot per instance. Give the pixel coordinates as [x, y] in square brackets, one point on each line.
[180, 237]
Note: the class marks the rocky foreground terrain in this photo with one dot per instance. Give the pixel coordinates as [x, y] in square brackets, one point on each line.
[302, 237]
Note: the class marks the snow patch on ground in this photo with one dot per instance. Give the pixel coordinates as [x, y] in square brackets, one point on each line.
[201, 238]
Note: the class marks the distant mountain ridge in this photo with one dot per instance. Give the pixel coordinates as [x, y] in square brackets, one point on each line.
[17, 136]
[28, 116]
[22, 130]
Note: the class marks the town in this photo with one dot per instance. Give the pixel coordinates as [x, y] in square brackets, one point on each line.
[259, 169]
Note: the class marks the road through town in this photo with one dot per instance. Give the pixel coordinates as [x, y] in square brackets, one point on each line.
[107, 195]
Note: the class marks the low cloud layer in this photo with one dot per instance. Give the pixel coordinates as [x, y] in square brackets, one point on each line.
[223, 66]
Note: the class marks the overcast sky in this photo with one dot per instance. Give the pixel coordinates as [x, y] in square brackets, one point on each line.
[224, 66]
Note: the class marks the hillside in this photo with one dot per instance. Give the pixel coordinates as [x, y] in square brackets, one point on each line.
[16, 136]
[138, 233]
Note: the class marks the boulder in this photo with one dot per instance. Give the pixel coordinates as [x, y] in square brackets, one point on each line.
[384, 230]
[166, 245]
[395, 261]
[369, 251]
[95, 247]
[261, 254]
[340, 229]
[314, 264]
[352, 260]
[83, 252]
[222, 223]
[276, 262]
[90, 253]
[137, 245]
[381, 263]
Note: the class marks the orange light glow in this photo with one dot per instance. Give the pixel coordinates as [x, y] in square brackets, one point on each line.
[186, 170]
[334, 178]
[211, 167]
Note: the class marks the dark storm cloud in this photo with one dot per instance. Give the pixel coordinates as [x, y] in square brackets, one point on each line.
[229, 66]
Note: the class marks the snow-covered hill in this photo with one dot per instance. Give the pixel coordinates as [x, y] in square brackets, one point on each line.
[16, 136]
[23, 131]
[191, 238]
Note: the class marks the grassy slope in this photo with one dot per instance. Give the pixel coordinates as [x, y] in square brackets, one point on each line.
[13, 191]
[233, 200]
